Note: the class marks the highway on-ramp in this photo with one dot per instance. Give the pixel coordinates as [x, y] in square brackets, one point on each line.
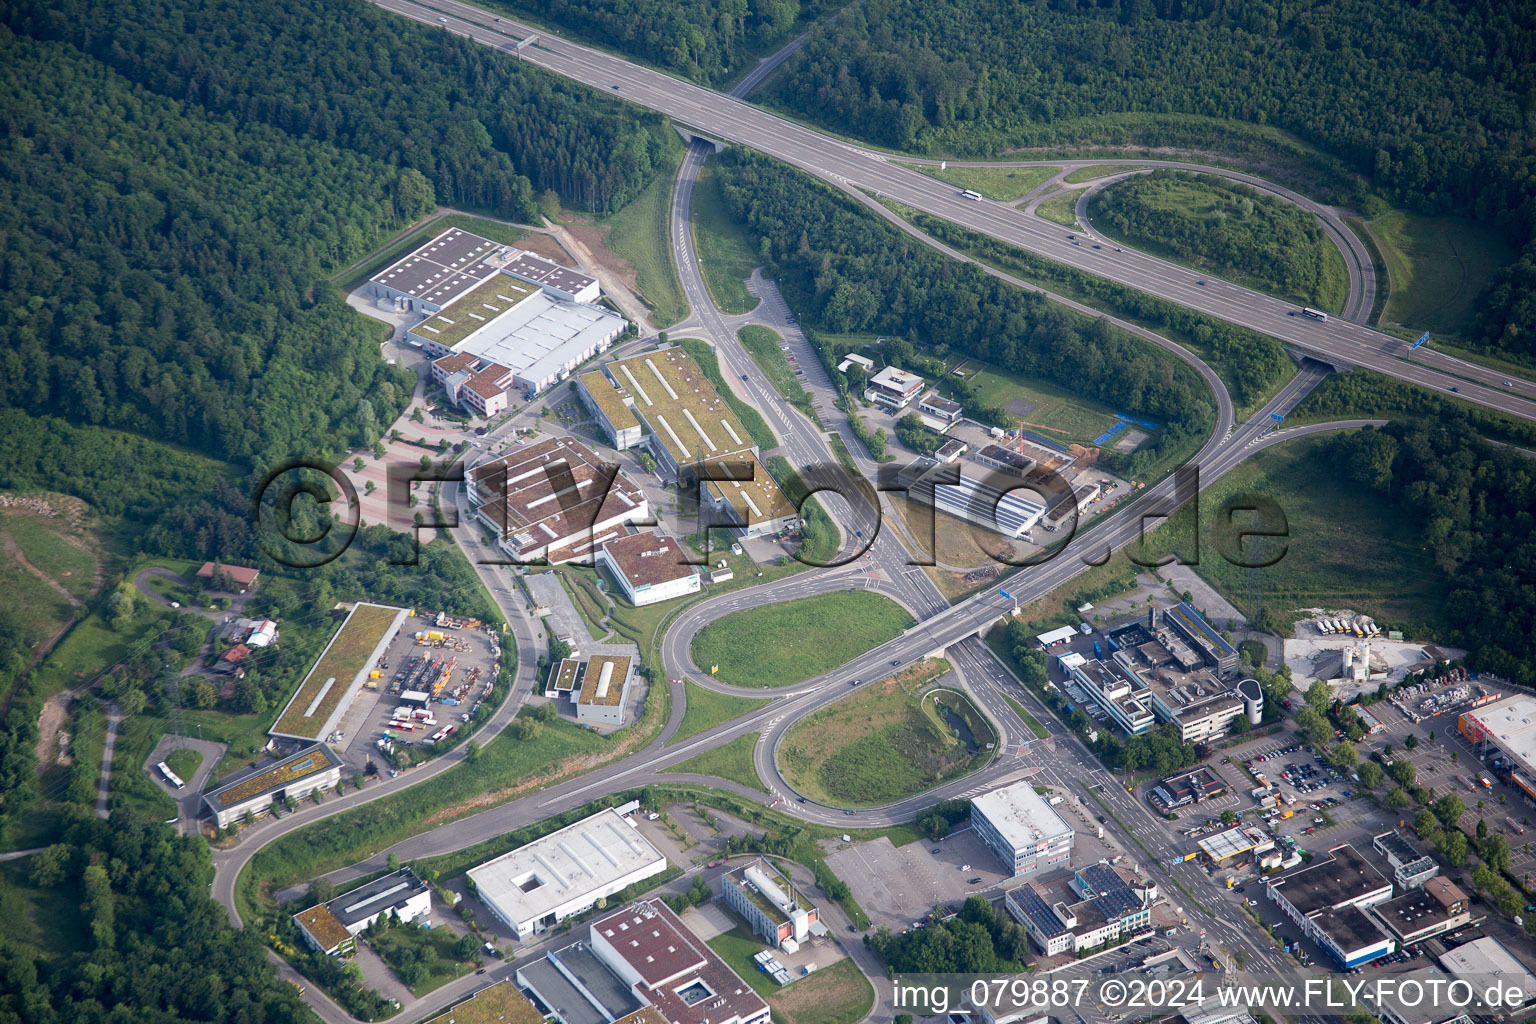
[854, 168]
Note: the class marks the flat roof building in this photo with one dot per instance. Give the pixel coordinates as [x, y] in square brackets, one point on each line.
[1438, 907]
[893, 388]
[564, 873]
[690, 422]
[1485, 958]
[294, 777]
[1189, 787]
[1239, 839]
[771, 902]
[1211, 645]
[945, 409]
[554, 499]
[1417, 997]
[331, 927]
[649, 567]
[445, 268]
[1508, 726]
[1410, 868]
[1177, 680]
[597, 687]
[500, 1003]
[751, 503]
[1326, 900]
[1118, 693]
[1022, 829]
[1107, 909]
[609, 404]
[666, 965]
[1011, 513]
[563, 282]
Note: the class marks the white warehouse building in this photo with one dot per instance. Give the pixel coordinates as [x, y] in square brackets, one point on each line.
[538, 885]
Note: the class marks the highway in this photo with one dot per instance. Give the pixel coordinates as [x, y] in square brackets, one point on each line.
[852, 167]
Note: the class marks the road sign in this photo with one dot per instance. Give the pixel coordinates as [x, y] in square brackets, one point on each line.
[1422, 339]
[1277, 417]
[1006, 594]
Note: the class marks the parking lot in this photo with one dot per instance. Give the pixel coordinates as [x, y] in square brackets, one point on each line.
[897, 886]
[455, 665]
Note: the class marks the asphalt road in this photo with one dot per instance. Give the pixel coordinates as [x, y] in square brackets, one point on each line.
[852, 168]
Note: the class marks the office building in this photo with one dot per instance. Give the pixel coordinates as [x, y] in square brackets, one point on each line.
[649, 567]
[742, 497]
[1410, 868]
[294, 777]
[332, 927]
[1188, 787]
[771, 903]
[893, 388]
[945, 410]
[1108, 909]
[1024, 831]
[566, 872]
[1437, 907]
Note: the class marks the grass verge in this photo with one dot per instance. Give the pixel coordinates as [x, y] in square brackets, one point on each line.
[1083, 174]
[789, 642]
[1028, 719]
[889, 740]
[638, 234]
[1060, 208]
[703, 353]
[1005, 184]
[725, 255]
[1436, 269]
[731, 761]
[762, 344]
[706, 709]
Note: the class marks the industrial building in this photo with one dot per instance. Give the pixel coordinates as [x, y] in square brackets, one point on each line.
[1212, 646]
[553, 500]
[649, 567]
[1022, 829]
[564, 873]
[771, 902]
[1438, 907]
[689, 422]
[1012, 513]
[1327, 901]
[1188, 787]
[598, 687]
[1108, 909]
[667, 966]
[562, 282]
[1410, 868]
[609, 404]
[574, 986]
[1485, 958]
[1417, 997]
[293, 778]
[1117, 692]
[332, 927]
[893, 388]
[442, 270]
[1507, 728]
[749, 503]
[537, 336]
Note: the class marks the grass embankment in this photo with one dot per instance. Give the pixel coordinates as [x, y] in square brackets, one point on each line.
[638, 234]
[48, 566]
[1082, 174]
[836, 994]
[726, 257]
[1052, 411]
[1364, 394]
[1227, 229]
[703, 353]
[762, 344]
[791, 641]
[1005, 184]
[706, 709]
[1345, 547]
[1436, 269]
[342, 660]
[1028, 719]
[731, 761]
[886, 741]
[1061, 208]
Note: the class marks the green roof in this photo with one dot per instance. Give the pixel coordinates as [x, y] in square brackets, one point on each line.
[474, 310]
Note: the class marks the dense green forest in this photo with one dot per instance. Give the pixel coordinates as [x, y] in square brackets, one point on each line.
[699, 39]
[1226, 228]
[1474, 501]
[1429, 100]
[850, 272]
[176, 189]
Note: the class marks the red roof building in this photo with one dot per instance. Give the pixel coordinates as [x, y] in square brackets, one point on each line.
[236, 574]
